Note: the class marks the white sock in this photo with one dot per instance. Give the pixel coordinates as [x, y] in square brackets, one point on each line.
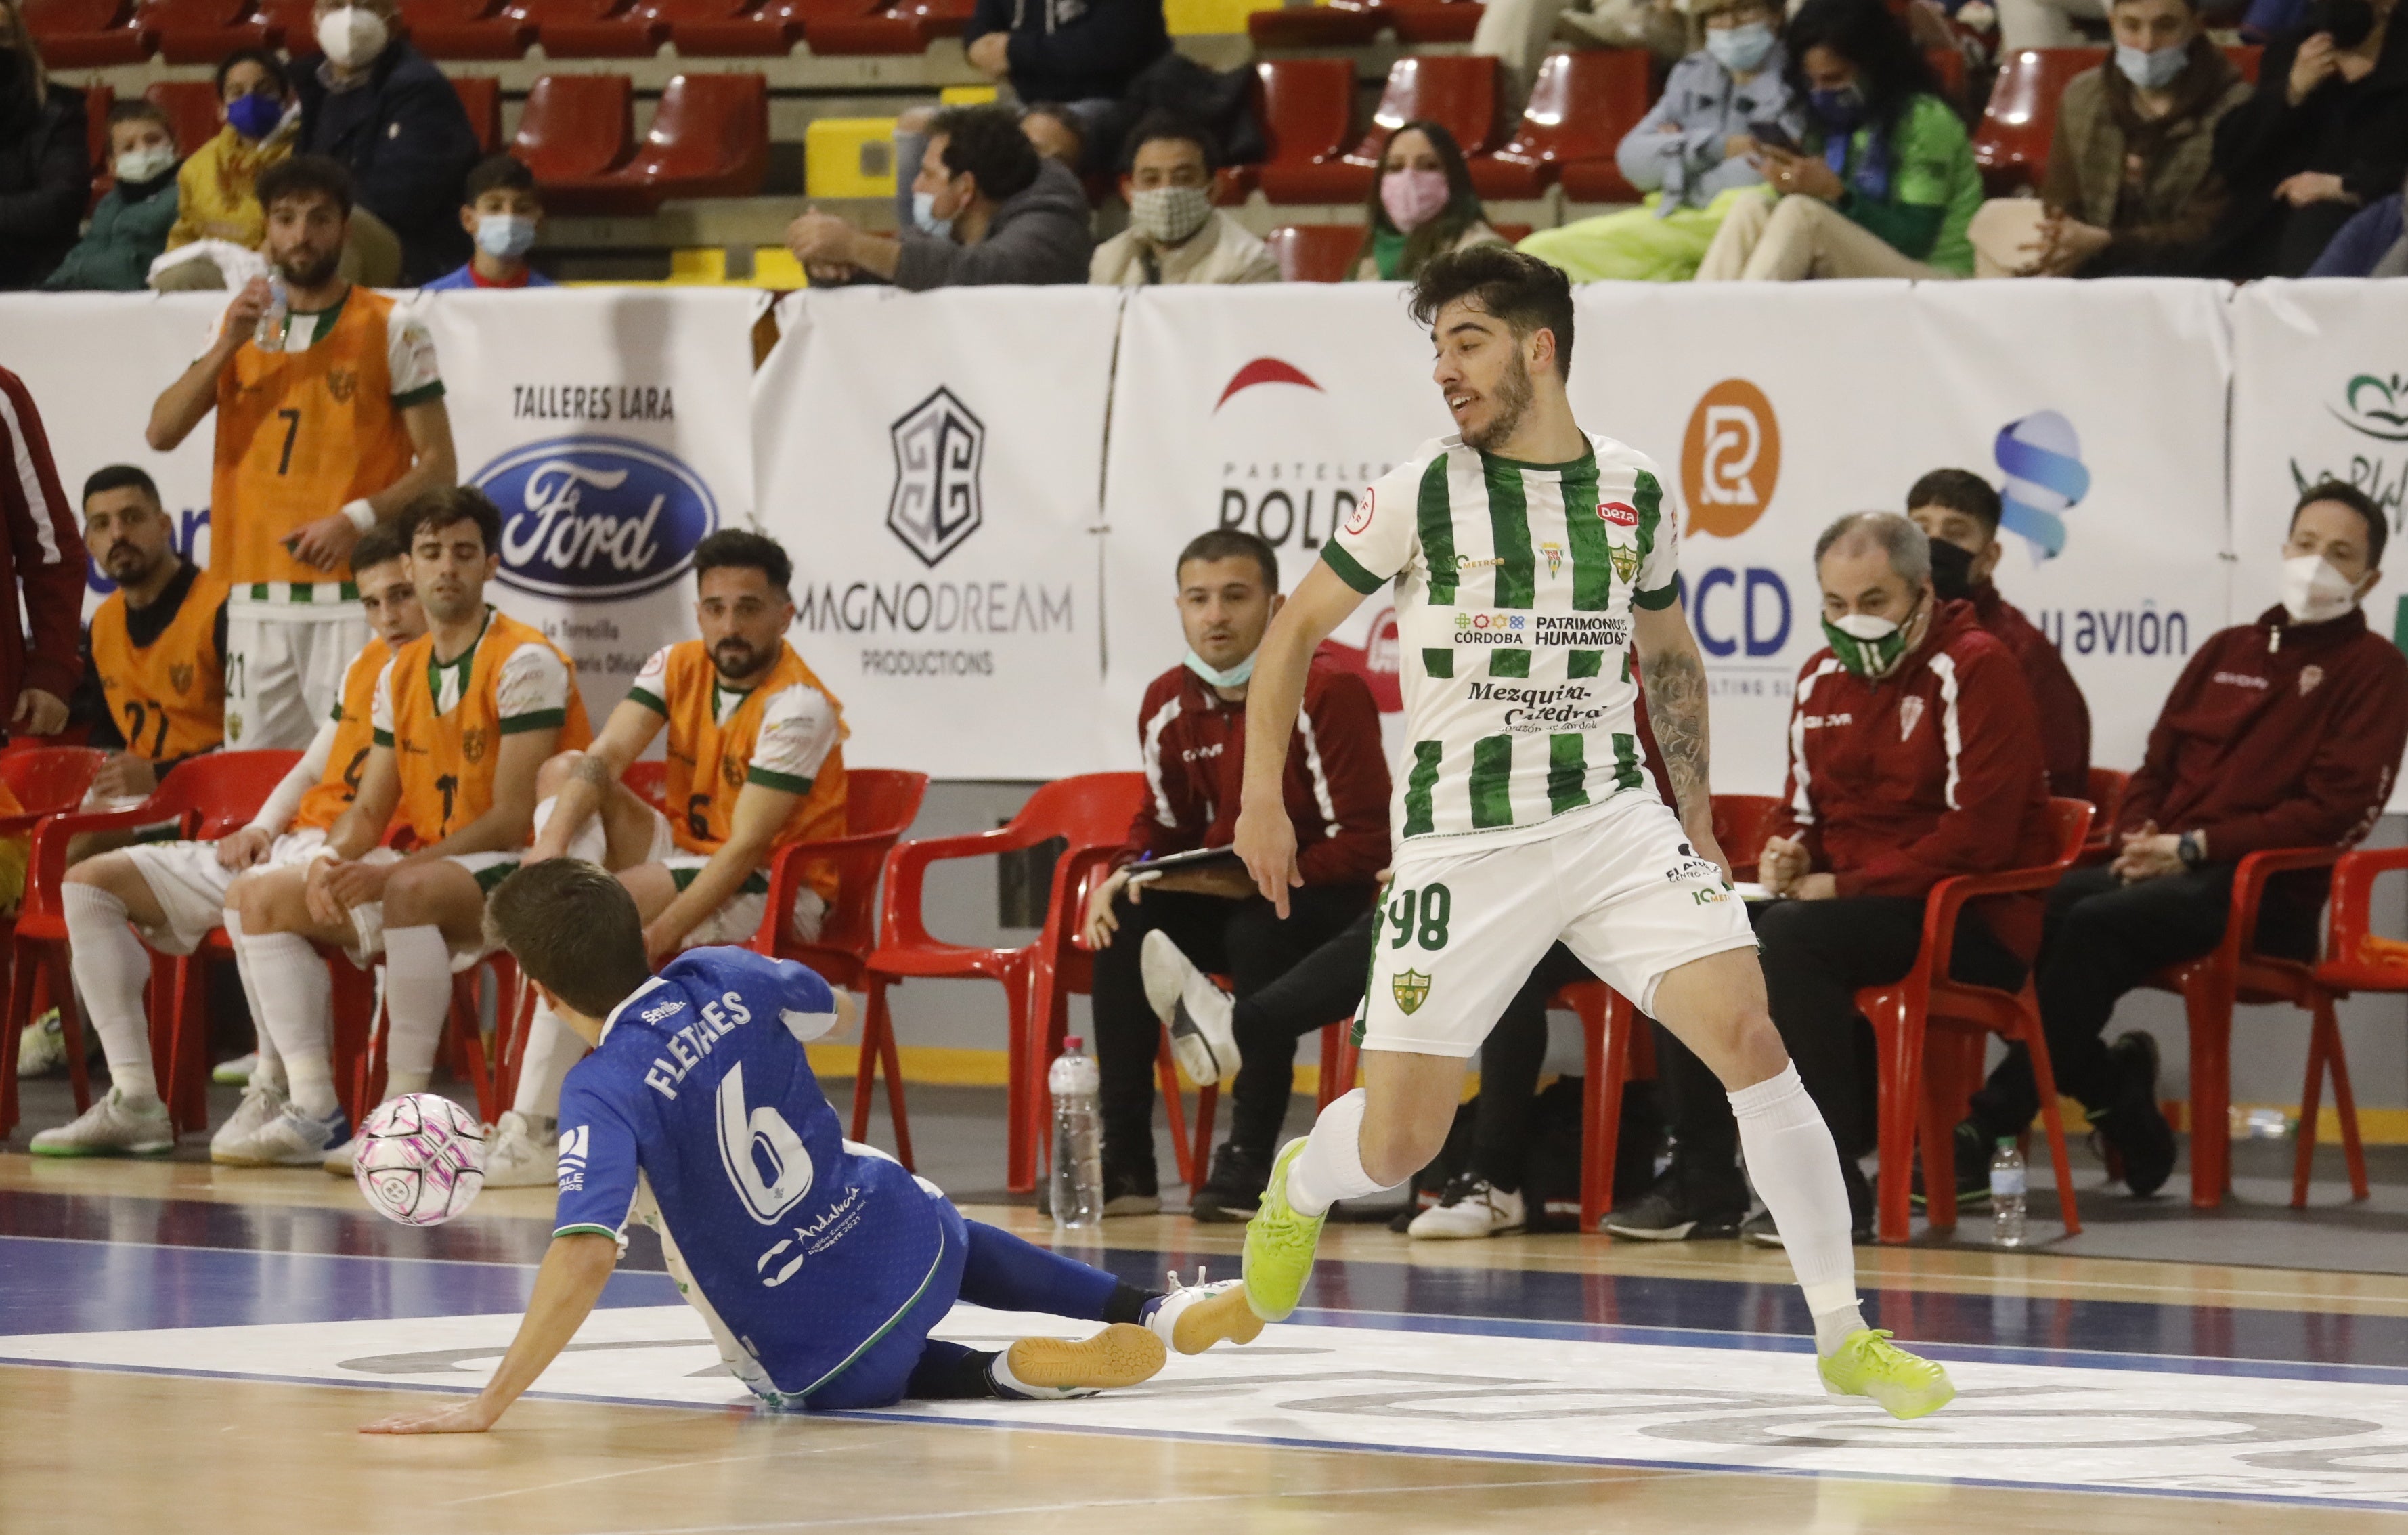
[1795, 1166]
[1330, 1168]
[417, 1000]
[269, 1072]
[552, 1049]
[295, 997]
[110, 968]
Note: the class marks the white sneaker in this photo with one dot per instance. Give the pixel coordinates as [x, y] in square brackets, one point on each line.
[42, 1048]
[259, 1106]
[1193, 1317]
[1470, 1207]
[1197, 1014]
[522, 1152]
[291, 1140]
[338, 1160]
[236, 1072]
[112, 1127]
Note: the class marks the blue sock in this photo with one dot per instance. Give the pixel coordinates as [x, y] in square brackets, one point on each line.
[1006, 1274]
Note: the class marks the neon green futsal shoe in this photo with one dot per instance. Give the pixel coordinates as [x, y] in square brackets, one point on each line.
[1867, 1364]
[1279, 1245]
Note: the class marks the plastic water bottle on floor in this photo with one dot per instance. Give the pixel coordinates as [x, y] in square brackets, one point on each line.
[2007, 1193]
[1078, 1186]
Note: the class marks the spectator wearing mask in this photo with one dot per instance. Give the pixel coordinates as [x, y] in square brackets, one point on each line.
[2325, 133]
[1421, 205]
[1191, 729]
[1913, 757]
[1175, 234]
[129, 228]
[1692, 154]
[216, 191]
[503, 214]
[45, 163]
[1885, 184]
[1085, 53]
[2281, 733]
[2131, 188]
[1959, 512]
[381, 109]
[986, 209]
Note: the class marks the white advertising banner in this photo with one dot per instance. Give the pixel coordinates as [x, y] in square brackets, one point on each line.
[1267, 409]
[935, 464]
[1775, 408]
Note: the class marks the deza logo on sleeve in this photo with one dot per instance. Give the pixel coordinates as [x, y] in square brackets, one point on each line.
[593, 518]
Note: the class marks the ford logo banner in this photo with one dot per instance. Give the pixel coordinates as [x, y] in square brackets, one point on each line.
[592, 517]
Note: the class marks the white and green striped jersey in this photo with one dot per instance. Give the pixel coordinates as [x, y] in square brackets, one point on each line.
[1514, 589]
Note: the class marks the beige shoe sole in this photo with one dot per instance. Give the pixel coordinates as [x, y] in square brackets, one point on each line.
[1226, 1318]
[1121, 1355]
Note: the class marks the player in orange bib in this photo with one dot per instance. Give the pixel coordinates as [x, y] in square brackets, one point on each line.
[158, 641]
[172, 894]
[462, 719]
[755, 762]
[323, 430]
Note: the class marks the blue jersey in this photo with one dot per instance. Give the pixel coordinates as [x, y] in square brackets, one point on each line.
[801, 1249]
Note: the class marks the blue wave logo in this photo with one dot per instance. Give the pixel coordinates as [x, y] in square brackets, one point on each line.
[588, 517]
[2042, 459]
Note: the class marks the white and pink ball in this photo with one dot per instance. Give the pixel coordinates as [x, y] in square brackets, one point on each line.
[421, 1160]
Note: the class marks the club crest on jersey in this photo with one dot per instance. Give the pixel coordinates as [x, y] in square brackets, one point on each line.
[1554, 554]
[1625, 561]
[1620, 513]
[1910, 714]
[342, 382]
[472, 743]
[731, 772]
[1411, 990]
[179, 676]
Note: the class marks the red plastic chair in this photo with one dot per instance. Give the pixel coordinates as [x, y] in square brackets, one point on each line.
[710, 138]
[880, 805]
[2245, 57]
[481, 97]
[906, 27]
[2354, 962]
[196, 32]
[1460, 92]
[1315, 253]
[769, 31]
[636, 33]
[2231, 973]
[1308, 118]
[2011, 145]
[1419, 22]
[87, 34]
[1580, 106]
[466, 28]
[2107, 788]
[576, 126]
[1341, 24]
[192, 109]
[1091, 812]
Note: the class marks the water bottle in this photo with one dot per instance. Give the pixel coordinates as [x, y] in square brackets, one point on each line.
[268, 335]
[2007, 1194]
[1078, 1186]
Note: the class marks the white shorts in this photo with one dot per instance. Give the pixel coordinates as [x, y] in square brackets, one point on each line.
[1461, 931]
[738, 918]
[190, 884]
[284, 667]
[367, 920]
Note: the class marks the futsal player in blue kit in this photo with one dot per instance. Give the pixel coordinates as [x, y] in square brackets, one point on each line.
[819, 1264]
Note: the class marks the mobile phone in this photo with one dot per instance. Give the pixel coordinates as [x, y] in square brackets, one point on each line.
[1772, 135]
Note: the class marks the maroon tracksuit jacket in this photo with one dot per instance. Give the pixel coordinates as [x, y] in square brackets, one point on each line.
[2056, 697]
[41, 553]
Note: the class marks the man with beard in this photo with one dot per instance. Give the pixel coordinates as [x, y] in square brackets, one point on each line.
[330, 420]
[158, 641]
[463, 718]
[1533, 563]
[755, 762]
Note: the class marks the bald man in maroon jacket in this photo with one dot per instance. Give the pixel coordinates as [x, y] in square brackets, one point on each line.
[1914, 756]
[2284, 732]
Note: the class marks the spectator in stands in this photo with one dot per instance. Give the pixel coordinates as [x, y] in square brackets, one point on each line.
[1885, 185]
[1915, 756]
[2371, 244]
[1055, 130]
[1693, 154]
[45, 162]
[157, 643]
[215, 192]
[986, 209]
[129, 228]
[1082, 53]
[41, 571]
[1175, 235]
[1191, 729]
[503, 213]
[2131, 191]
[1959, 512]
[384, 111]
[1421, 205]
[2325, 133]
[2281, 733]
[1519, 34]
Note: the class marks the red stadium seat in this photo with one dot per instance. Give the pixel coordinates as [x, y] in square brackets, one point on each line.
[2011, 143]
[465, 29]
[908, 26]
[1315, 253]
[86, 34]
[1580, 106]
[772, 31]
[1440, 22]
[1460, 92]
[1948, 66]
[710, 138]
[199, 31]
[1344, 23]
[2245, 57]
[1308, 115]
[192, 109]
[577, 33]
[97, 100]
[576, 126]
[481, 95]
[289, 23]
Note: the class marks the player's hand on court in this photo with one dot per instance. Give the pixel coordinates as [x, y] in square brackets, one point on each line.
[124, 776]
[471, 1416]
[1100, 924]
[244, 848]
[38, 714]
[1781, 865]
[325, 544]
[1267, 845]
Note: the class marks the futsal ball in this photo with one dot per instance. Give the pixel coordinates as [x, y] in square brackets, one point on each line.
[421, 1160]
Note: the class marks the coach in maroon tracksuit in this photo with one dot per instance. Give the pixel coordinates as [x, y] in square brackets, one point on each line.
[41, 559]
[2283, 733]
[1914, 756]
[1191, 732]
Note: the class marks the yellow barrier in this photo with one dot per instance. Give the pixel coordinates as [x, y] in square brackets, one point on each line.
[848, 157]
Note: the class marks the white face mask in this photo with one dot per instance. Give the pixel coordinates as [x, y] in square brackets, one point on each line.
[140, 166]
[2313, 591]
[1169, 215]
[352, 36]
[1235, 677]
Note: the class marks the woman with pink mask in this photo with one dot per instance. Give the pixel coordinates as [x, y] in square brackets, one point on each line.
[1421, 205]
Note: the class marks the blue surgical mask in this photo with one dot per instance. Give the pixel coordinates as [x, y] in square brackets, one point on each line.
[1741, 49]
[2152, 69]
[923, 214]
[1235, 677]
[254, 116]
[505, 236]
[1840, 110]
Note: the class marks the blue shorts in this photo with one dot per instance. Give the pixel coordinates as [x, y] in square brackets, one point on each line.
[877, 1377]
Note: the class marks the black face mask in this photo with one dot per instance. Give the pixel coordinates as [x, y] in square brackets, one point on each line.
[2348, 22]
[1951, 571]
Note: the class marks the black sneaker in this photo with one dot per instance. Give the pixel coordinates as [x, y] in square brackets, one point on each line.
[1668, 1213]
[1127, 1191]
[1759, 1228]
[2136, 1127]
[1971, 1154]
[1234, 1190]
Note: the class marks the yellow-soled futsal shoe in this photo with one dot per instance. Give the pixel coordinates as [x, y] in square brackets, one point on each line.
[1279, 1245]
[1193, 1317]
[1121, 1355]
[1867, 1364]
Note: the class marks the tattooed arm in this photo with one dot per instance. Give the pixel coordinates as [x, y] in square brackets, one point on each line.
[1674, 676]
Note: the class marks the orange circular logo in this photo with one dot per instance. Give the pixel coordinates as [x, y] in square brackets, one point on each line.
[1730, 459]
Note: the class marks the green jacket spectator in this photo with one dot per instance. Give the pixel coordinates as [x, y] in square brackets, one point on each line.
[129, 232]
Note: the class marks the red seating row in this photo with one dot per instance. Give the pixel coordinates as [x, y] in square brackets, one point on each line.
[1347, 23]
[710, 138]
